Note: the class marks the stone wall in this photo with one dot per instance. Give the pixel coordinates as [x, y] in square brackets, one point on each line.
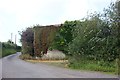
[43, 36]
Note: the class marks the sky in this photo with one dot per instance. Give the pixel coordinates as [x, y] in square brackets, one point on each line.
[17, 15]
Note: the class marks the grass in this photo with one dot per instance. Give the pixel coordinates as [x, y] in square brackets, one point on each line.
[55, 58]
[85, 66]
[7, 51]
[90, 66]
[94, 66]
[51, 55]
[100, 66]
[58, 63]
[25, 57]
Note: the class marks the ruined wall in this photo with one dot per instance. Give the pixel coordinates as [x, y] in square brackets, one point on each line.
[43, 36]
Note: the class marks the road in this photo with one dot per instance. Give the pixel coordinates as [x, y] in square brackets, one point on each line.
[13, 67]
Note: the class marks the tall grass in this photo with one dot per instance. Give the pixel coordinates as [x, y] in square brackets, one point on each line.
[92, 65]
[7, 48]
[7, 51]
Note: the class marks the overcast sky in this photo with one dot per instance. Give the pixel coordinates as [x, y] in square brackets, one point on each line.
[16, 15]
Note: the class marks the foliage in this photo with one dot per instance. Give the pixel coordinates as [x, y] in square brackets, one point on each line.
[25, 56]
[35, 41]
[9, 48]
[94, 66]
[64, 36]
[27, 38]
[94, 39]
[43, 37]
[6, 52]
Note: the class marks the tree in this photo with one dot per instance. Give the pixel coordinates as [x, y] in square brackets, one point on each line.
[83, 33]
[64, 36]
[27, 38]
[97, 36]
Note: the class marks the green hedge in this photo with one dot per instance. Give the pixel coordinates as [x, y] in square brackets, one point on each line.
[8, 48]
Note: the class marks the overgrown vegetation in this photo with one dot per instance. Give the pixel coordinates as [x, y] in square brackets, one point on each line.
[64, 36]
[9, 48]
[27, 38]
[43, 36]
[36, 40]
[25, 57]
[92, 43]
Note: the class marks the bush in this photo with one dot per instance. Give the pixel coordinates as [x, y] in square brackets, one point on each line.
[64, 36]
[9, 48]
[25, 56]
[6, 52]
[27, 38]
[93, 38]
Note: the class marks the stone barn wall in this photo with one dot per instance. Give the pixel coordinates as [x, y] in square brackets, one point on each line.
[43, 36]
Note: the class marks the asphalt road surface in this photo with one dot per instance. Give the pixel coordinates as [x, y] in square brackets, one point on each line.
[13, 67]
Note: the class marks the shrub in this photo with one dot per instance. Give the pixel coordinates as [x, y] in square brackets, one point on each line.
[25, 56]
[8, 48]
[27, 38]
[64, 36]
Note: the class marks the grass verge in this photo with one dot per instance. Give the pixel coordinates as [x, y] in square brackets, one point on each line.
[100, 66]
[6, 52]
[25, 57]
[105, 67]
